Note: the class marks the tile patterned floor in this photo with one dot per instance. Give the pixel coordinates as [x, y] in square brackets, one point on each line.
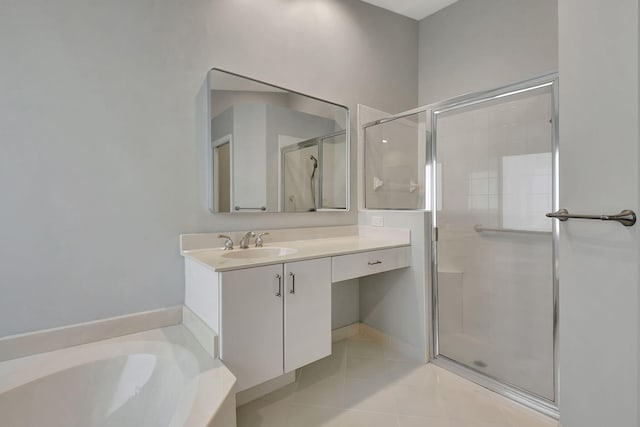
[363, 384]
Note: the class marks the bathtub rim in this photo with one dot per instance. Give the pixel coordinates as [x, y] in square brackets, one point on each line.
[211, 385]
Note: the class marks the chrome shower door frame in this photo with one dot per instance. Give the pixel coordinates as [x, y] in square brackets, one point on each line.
[548, 407]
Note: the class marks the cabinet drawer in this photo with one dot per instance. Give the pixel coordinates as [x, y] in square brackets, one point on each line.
[346, 267]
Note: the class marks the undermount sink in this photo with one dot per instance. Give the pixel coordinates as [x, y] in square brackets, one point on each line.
[259, 253]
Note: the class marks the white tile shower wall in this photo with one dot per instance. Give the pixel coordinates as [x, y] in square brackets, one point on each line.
[526, 188]
[103, 162]
[496, 301]
[393, 166]
[365, 115]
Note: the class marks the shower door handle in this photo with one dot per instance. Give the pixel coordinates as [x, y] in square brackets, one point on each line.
[626, 217]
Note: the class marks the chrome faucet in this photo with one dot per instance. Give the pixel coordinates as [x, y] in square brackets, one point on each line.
[260, 240]
[244, 242]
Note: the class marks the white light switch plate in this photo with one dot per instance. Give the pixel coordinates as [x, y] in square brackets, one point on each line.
[377, 221]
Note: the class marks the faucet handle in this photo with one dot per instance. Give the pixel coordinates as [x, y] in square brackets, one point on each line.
[228, 244]
[259, 240]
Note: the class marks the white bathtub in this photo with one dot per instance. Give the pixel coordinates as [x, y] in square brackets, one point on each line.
[154, 378]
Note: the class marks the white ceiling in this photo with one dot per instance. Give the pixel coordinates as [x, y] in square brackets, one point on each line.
[416, 9]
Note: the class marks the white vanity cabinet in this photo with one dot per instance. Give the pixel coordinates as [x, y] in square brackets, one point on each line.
[251, 316]
[361, 264]
[274, 319]
[270, 308]
[307, 312]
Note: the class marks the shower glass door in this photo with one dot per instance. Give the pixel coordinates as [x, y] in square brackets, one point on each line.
[495, 287]
[300, 177]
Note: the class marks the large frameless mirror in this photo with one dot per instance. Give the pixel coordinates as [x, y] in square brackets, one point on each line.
[274, 150]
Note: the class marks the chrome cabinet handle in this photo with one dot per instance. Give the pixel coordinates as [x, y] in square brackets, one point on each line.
[279, 293]
[293, 283]
[375, 262]
[626, 217]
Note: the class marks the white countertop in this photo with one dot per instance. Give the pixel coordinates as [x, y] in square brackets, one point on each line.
[305, 249]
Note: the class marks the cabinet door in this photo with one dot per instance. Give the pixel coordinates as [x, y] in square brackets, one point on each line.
[251, 324]
[307, 312]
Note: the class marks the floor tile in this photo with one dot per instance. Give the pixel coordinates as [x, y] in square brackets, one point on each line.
[415, 401]
[263, 414]
[328, 391]
[365, 419]
[326, 367]
[471, 406]
[311, 416]
[471, 423]
[410, 373]
[369, 395]
[519, 416]
[282, 394]
[366, 368]
[368, 349]
[407, 421]
[367, 384]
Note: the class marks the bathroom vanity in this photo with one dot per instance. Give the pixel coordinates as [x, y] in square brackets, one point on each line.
[271, 306]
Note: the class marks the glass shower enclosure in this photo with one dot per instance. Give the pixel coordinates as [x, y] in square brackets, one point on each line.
[494, 272]
[489, 168]
[312, 174]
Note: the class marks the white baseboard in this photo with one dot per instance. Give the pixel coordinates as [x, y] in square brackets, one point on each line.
[377, 335]
[15, 346]
[389, 341]
[345, 332]
[206, 336]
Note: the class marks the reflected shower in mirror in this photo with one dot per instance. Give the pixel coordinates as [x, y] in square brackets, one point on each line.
[274, 150]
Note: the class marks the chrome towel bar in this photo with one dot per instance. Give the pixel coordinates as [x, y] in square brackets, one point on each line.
[626, 217]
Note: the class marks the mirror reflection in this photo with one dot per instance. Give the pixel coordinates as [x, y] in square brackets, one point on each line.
[274, 150]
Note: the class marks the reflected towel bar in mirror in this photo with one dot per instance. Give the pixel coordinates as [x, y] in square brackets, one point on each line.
[261, 208]
[626, 217]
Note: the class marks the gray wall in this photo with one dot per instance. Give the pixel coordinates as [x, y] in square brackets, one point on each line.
[477, 45]
[102, 125]
[345, 303]
[599, 173]
[395, 302]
